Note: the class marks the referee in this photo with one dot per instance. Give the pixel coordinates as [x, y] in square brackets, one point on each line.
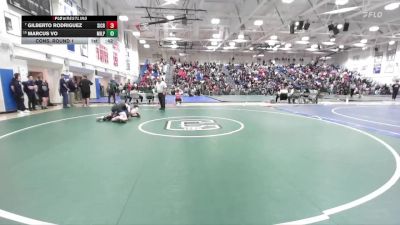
[161, 88]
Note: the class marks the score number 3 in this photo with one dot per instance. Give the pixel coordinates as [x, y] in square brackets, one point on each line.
[112, 25]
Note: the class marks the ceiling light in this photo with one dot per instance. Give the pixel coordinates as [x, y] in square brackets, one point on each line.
[288, 45]
[170, 17]
[302, 42]
[240, 36]
[215, 36]
[123, 18]
[341, 46]
[214, 43]
[392, 42]
[392, 6]
[142, 41]
[172, 39]
[305, 38]
[174, 46]
[314, 46]
[232, 43]
[297, 23]
[311, 49]
[258, 22]
[136, 33]
[240, 40]
[229, 47]
[274, 37]
[271, 42]
[146, 46]
[364, 41]
[365, 48]
[328, 43]
[211, 47]
[374, 28]
[287, 1]
[173, 42]
[333, 39]
[215, 21]
[342, 10]
[169, 2]
[251, 48]
[340, 26]
[341, 2]
[260, 55]
[359, 45]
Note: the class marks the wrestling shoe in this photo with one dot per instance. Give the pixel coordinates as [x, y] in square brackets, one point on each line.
[99, 119]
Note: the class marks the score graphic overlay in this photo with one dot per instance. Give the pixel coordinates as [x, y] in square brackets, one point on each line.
[68, 29]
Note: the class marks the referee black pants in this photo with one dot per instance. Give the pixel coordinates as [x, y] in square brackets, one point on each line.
[20, 103]
[161, 99]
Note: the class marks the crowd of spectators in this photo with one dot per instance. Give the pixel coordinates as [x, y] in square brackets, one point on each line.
[264, 79]
[193, 78]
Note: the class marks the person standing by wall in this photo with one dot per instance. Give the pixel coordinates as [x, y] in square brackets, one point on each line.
[112, 89]
[395, 90]
[72, 89]
[45, 94]
[128, 89]
[30, 90]
[38, 84]
[16, 88]
[64, 90]
[161, 89]
[85, 89]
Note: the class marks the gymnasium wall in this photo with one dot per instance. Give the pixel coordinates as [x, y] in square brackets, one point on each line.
[218, 57]
[364, 62]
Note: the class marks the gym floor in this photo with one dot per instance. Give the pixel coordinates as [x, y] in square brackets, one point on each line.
[304, 164]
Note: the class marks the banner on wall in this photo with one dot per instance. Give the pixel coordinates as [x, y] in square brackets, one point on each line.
[128, 60]
[115, 53]
[71, 47]
[389, 67]
[364, 68]
[13, 26]
[84, 50]
[102, 53]
[391, 52]
[377, 68]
